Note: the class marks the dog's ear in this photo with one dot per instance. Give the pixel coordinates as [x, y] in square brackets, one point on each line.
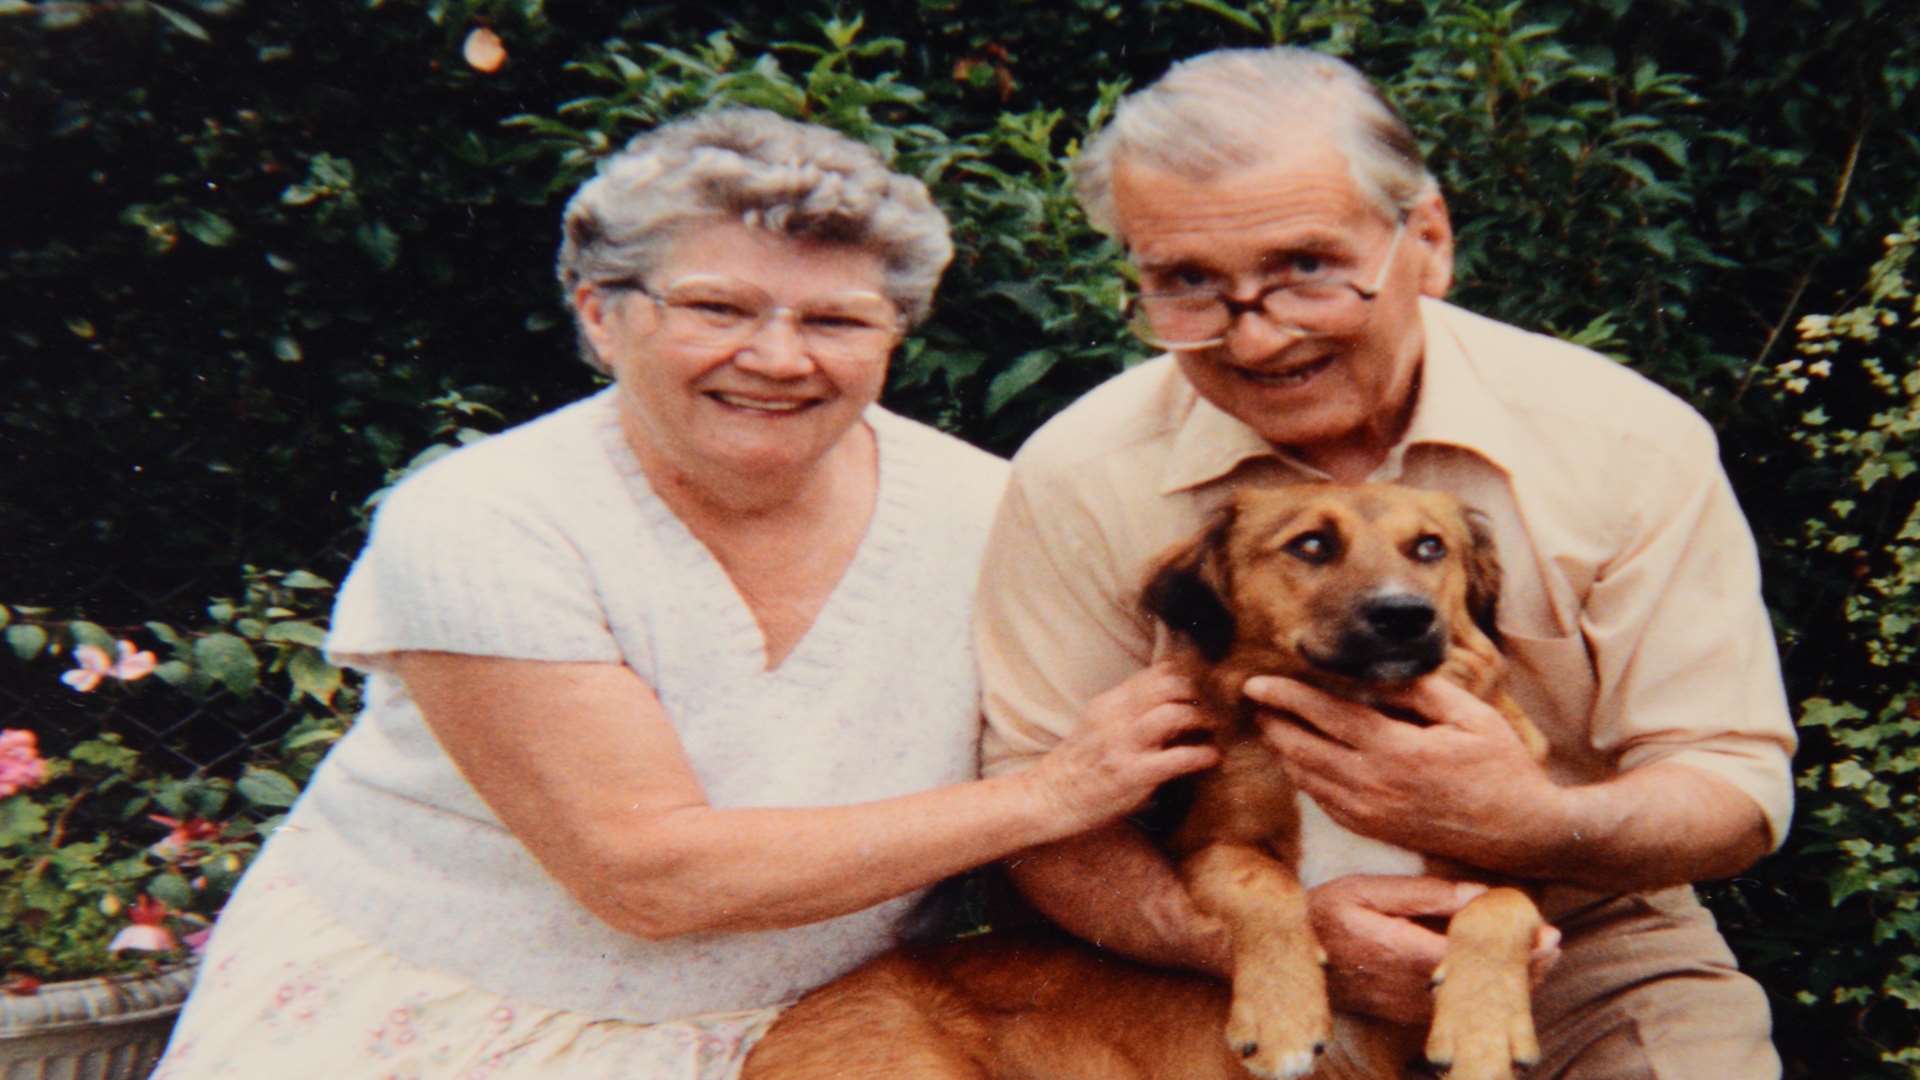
[1483, 574]
[1188, 590]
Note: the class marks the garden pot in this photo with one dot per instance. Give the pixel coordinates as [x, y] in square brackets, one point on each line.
[110, 1028]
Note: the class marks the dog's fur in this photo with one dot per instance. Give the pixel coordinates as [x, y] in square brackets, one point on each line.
[1358, 590]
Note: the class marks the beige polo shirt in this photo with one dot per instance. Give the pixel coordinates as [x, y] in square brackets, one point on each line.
[1630, 607]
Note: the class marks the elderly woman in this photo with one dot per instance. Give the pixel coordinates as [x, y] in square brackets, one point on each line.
[671, 710]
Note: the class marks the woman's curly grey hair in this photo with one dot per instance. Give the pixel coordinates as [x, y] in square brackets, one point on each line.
[757, 167]
[1228, 109]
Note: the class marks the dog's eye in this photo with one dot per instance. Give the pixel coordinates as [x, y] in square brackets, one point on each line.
[1313, 547]
[1429, 549]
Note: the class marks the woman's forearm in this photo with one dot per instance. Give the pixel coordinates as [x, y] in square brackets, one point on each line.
[702, 868]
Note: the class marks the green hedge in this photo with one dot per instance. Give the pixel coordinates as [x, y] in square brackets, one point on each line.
[264, 254]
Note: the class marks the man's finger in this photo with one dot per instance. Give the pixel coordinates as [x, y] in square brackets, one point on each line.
[1410, 897]
[1442, 701]
[1335, 718]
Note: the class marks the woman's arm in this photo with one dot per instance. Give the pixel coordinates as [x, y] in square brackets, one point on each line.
[581, 764]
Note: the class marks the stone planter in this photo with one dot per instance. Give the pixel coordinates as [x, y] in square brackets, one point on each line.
[91, 1029]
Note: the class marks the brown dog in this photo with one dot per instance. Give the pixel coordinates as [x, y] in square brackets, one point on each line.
[1357, 590]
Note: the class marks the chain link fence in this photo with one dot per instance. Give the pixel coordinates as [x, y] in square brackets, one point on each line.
[186, 726]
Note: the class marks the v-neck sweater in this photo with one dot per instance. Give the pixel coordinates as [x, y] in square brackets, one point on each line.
[547, 543]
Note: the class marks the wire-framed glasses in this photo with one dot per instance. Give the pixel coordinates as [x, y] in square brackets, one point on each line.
[1304, 299]
[710, 311]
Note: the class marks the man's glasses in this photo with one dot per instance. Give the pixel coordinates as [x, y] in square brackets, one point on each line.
[707, 311]
[1304, 299]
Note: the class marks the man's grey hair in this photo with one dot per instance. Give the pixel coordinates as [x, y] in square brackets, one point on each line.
[1229, 109]
[759, 168]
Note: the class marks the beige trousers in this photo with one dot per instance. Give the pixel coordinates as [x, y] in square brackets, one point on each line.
[1645, 989]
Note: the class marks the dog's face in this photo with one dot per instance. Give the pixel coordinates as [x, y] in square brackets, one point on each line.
[1341, 585]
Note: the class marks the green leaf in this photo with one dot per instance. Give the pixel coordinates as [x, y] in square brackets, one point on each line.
[174, 672]
[265, 787]
[26, 640]
[287, 350]
[381, 244]
[229, 660]
[298, 632]
[5, 616]
[166, 634]
[21, 819]
[172, 890]
[106, 751]
[207, 798]
[209, 228]
[1022, 374]
[1658, 241]
[313, 676]
[1238, 18]
[181, 22]
[82, 632]
[305, 579]
[309, 738]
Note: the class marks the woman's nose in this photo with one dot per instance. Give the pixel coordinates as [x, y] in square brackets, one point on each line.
[776, 349]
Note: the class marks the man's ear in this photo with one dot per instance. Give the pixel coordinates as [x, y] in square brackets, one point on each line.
[1483, 574]
[1188, 588]
[1431, 229]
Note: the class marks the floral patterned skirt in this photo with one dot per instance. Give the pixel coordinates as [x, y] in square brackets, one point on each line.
[284, 991]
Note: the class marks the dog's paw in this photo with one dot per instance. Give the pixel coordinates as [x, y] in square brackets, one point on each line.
[1482, 1022]
[1280, 1021]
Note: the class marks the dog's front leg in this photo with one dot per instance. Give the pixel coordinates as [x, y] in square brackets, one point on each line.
[1280, 1020]
[1482, 1007]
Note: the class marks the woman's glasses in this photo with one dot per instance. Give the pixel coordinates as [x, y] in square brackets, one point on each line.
[707, 311]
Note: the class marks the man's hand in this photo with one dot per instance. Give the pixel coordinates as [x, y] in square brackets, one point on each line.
[1463, 787]
[1380, 961]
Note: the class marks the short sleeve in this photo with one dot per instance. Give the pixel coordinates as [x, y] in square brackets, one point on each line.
[477, 573]
[1683, 646]
[1050, 625]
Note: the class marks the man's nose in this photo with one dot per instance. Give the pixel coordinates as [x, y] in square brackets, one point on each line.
[776, 348]
[1253, 335]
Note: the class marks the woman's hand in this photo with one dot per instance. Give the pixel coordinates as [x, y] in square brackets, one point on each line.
[1119, 754]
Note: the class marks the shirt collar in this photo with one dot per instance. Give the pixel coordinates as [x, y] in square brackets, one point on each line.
[1454, 408]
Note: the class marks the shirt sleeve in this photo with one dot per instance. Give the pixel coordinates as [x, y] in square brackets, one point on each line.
[468, 572]
[1053, 624]
[1682, 643]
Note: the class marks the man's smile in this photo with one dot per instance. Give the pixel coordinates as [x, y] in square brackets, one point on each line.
[1297, 375]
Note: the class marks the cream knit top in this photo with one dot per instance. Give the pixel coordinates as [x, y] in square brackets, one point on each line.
[546, 543]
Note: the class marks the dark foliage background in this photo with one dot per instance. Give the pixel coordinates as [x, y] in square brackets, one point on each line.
[261, 256]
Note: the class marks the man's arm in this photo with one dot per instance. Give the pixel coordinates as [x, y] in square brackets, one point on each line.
[1113, 887]
[1465, 788]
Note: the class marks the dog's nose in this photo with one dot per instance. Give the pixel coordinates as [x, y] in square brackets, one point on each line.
[1398, 617]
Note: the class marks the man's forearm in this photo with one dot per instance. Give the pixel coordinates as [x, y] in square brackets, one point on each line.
[1662, 824]
[1114, 888]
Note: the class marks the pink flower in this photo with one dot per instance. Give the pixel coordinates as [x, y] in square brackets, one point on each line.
[94, 666]
[190, 831]
[21, 766]
[197, 941]
[148, 932]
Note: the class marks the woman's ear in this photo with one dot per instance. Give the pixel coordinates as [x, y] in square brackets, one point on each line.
[598, 310]
[1432, 230]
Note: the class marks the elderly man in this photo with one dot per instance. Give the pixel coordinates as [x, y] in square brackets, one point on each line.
[1292, 251]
